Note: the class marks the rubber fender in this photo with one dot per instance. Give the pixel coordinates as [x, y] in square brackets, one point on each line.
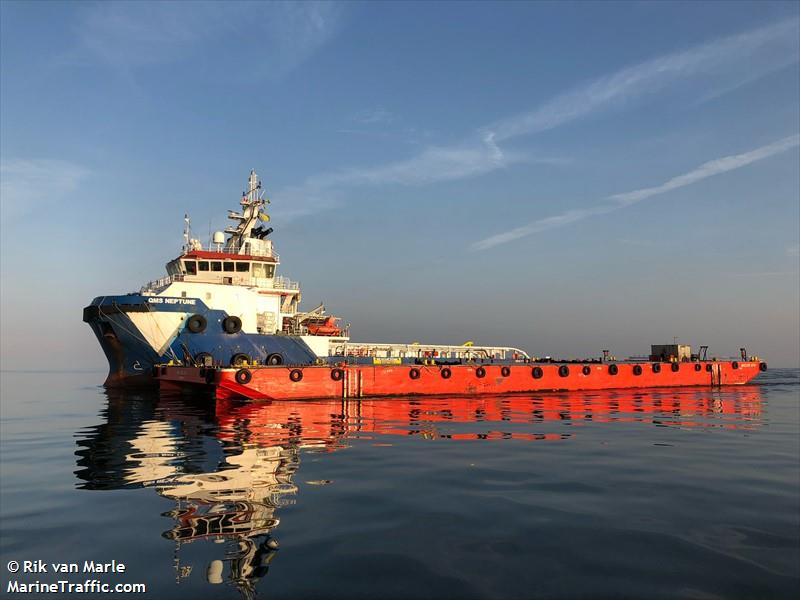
[232, 324]
[196, 323]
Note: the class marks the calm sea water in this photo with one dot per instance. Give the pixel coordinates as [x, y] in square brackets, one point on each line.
[647, 494]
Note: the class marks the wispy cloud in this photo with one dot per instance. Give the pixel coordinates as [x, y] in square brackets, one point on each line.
[618, 201]
[129, 35]
[27, 185]
[373, 116]
[733, 61]
[727, 62]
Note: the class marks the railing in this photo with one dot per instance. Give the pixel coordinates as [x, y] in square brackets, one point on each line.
[426, 351]
[157, 284]
[284, 283]
[251, 251]
[223, 277]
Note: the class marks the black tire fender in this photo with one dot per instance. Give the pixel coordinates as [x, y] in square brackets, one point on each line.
[196, 323]
[243, 376]
[231, 324]
[296, 375]
[337, 374]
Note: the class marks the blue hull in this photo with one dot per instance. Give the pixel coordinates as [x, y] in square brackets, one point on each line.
[131, 357]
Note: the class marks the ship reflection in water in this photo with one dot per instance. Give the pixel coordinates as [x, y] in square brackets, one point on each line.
[229, 467]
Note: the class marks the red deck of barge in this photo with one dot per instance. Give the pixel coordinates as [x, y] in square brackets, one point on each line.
[358, 380]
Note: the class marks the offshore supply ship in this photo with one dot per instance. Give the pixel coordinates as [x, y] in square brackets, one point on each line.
[223, 320]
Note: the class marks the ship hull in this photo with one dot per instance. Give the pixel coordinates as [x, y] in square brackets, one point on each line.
[137, 332]
[316, 382]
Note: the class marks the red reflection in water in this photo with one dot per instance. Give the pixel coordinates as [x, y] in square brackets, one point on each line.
[324, 423]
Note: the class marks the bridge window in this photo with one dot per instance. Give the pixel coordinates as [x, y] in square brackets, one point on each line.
[242, 267]
[227, 266]
[203, 265]
[216, 265]
[263, 271]
[190, 266]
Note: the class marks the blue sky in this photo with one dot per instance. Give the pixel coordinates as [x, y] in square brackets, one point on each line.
[559, 177]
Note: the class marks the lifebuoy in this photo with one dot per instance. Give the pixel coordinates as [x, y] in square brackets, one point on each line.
[337, 374]
[480, 372]
[563, 370]
[414, 373]
[232, 324]
[274, 359]
[239, 359]
[295, 375]
[446, 373]
[196, 323]
[505, 371]
[537, 372]
[762, 366]
[676, 367]
[735, 365]
[698, 367]
[613, 369]
[637, 369]
[243, 376]
[656, 367]
[586, 370]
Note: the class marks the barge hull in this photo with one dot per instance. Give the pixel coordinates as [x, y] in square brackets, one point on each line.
[357, 381]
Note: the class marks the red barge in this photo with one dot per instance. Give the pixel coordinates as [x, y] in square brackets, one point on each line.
[431, 377]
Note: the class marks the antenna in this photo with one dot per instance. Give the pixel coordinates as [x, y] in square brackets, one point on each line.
[186, 231]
